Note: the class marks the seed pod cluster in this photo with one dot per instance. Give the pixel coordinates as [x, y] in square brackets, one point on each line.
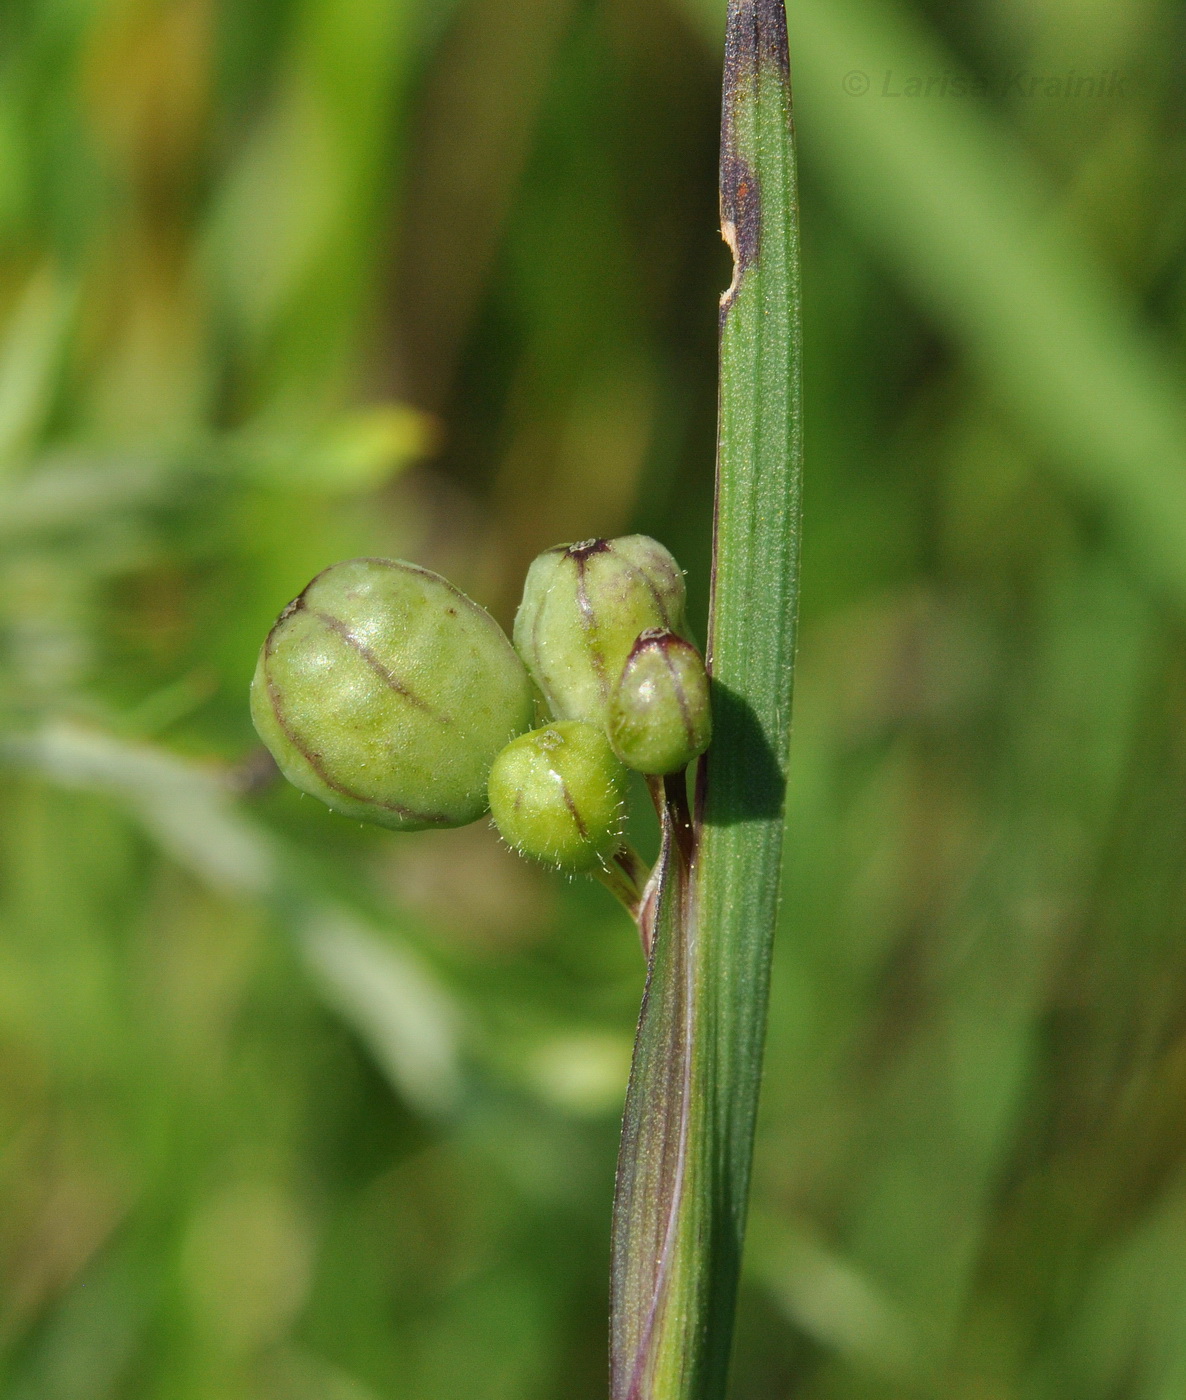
[393, 698]
[601, 630]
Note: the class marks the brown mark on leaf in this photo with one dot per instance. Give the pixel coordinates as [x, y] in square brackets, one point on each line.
[756, 38]
[756, 34]
[741, 218]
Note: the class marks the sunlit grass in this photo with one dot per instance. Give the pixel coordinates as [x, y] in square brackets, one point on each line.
[292, 1109]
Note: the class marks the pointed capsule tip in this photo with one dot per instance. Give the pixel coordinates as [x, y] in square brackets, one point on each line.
[585, 548]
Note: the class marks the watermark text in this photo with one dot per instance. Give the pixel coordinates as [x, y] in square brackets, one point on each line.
[1071, 84]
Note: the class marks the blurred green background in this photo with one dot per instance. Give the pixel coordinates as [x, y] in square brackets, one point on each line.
[292, 1110]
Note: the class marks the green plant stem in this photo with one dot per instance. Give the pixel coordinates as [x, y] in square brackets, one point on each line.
[625, 875]
[687, 1141]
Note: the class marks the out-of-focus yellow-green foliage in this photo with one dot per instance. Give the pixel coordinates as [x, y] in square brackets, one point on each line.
[293, 1110]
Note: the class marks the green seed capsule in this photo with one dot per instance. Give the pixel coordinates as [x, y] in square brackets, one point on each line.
[660, 716]
[557, 793]
[386, 693]
[583, 606]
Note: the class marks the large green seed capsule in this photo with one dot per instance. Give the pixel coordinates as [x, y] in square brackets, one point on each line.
[557, 794]
[583, 606]
[660, 715]
[386, 693]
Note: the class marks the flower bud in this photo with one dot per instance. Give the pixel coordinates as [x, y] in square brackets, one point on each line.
[386, 693]
[660, 716]
[557, 793]
[583, 606]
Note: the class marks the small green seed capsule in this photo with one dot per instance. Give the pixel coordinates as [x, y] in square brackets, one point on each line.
[386, 693]
[557, 794]
[660, 716]
[583, 606]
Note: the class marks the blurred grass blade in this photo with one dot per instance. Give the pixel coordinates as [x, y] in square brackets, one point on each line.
[346, 454]
[403, 1013]
[187, 810]
[32, 348]
[834, 1301]
[968, 221]
[973, 226]
[296, 224]
[68, 492]
[688, 1135]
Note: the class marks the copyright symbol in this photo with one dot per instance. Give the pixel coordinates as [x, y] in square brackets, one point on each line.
[856, 84]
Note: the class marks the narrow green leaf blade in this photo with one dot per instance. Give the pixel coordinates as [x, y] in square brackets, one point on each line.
[752, 628]
[657, 1166]
[687, 1145]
